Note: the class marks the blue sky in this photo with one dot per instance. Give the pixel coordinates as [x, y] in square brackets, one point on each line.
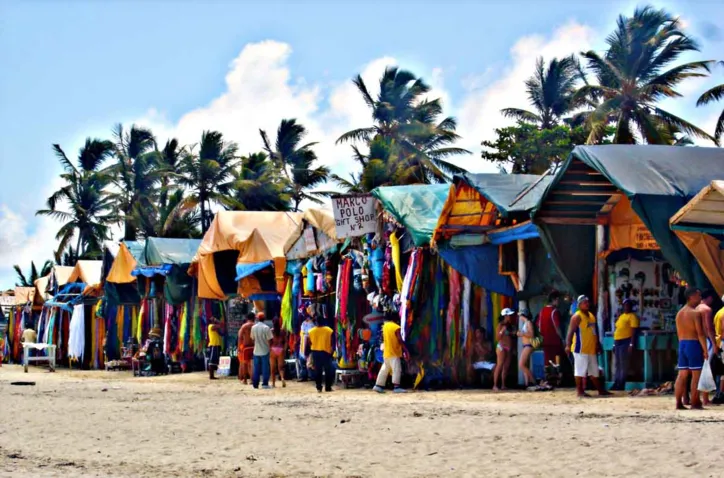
[73, 69]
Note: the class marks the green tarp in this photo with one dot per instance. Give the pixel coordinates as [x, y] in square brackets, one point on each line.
[417, 207]
[658, 180]
[137, 248]
[160, 251]
[503, 189]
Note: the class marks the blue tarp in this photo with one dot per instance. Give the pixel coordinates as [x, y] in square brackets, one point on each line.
[526, 230]
[245, 270]
[150, 271]
[480, 265]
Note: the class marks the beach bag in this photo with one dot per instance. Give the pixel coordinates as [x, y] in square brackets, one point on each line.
[706, 380]
[537, 340]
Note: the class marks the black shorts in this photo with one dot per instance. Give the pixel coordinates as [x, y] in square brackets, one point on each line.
[214, 354]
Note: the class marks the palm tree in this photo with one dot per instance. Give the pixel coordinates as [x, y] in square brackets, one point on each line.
[406, 119]
[550, 90]
[136, 174]
[177, 218]
[295, 161]
[206, 175]
[169, 159]
[29, 281]
[381, 166]
[259, 186]
[710, 96]
[89, 209]
[635, 73]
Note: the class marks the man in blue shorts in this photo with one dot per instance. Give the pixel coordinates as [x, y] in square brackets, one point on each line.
[692, 349]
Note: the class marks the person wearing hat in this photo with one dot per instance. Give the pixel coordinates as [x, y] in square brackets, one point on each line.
[504, 349]
[624, 342]
[582, 341]
[526, 334]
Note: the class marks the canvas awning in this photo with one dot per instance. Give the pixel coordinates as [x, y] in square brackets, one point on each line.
[416, 207]
[657, 180]
[41, 287]
[700, 226]
[123, 266]
[255, 236]
[61, 275]
[88, 272]
[23, 295]
[323, 235]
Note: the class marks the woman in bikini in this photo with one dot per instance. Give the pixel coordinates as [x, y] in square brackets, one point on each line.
[504, 349]
[278, 348]
[526, 335]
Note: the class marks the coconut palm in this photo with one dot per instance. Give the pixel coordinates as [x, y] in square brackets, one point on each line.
[715, 94]
[136, 174]
[169, 160]
[206, 175]
[550, 91]
[88, 209]
[296, 161]
[177, 218]
[635, 73]
[259, 186]
[29, 280]
[403, 115]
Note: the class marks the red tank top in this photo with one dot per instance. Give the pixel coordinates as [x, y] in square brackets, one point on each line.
[546, 326]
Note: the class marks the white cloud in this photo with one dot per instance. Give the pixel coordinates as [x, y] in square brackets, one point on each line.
[479, 112]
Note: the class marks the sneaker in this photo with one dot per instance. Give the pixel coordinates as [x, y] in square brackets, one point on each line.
[378, 389]
[399, 390]
[266, 387]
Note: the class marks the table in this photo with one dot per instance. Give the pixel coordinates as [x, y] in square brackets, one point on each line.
[659, 350]
[28, 346]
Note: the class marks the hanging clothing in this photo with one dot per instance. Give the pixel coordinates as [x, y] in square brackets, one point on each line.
[76, 338]
[467, 289]
[395, 242]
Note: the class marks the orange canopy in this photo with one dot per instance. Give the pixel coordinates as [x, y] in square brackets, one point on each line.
[258, 236]
[88, 272]
[123, 265]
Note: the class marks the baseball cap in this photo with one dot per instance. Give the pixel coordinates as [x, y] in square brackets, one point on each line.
[507, 311]
[582, 298]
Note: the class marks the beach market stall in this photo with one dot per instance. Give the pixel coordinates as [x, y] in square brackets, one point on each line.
[700, 226]
[604, 220]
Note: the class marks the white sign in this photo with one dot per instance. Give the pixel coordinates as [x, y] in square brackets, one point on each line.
[224, 367]
[354, 215]
[7, 300]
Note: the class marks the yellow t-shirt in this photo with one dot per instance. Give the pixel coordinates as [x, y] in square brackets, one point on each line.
[584, 339]
[718, 326]
[625, 326]
[321, 339]
[214, 337]
[393, 348]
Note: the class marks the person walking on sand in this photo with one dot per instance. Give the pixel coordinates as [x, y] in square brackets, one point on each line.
[707, 320]
[526, 334]
[504, 349]
[394, 350]
[278, 350]
[302, 373]
[321, 346]
[692, 349]
[215, 342]
[261, 334]
[583, 341]
[245, 349]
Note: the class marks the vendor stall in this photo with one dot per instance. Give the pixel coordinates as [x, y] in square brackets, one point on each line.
[605, 213]
[700, 226]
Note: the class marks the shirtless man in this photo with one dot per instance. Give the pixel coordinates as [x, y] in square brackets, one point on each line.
[692, 349]
[245, 349]
[707, 319]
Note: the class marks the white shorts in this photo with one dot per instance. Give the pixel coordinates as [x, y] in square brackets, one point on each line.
[585, 365]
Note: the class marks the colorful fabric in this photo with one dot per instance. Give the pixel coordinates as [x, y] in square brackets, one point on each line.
[395, 242]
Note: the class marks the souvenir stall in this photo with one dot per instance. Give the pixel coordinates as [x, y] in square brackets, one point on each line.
[700, 226]
[169, 302]
[121, 301]
[439, 305]
[312, 263]
[244, 254]
[71, 321]
[604, 220]
[485, 232]
[21, 315]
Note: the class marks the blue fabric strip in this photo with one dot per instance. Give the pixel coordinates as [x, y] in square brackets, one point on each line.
[523, 231]
[150, 271]
[245, 270]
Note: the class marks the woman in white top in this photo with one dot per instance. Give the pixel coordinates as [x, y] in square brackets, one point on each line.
[526, 335]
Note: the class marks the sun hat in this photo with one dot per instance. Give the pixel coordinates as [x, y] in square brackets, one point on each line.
[507, 311]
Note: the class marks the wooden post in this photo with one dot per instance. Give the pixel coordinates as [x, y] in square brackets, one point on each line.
[522, 304]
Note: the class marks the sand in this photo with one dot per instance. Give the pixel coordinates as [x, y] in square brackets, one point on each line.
[92, 424]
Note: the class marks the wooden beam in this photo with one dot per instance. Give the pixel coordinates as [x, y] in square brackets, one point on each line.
[576, 203]
[569, 220]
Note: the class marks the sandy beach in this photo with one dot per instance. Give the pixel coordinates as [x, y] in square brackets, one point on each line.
[93, 424]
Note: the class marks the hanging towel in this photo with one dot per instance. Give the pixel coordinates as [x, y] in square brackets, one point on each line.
[76, 339]
[396, 259]
[467, 286]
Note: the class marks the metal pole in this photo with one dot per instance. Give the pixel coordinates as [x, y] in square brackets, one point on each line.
[522, 304]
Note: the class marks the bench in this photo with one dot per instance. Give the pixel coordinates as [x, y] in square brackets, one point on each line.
[50, 349]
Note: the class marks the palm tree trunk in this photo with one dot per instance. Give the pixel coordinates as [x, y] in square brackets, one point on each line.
[77, 248]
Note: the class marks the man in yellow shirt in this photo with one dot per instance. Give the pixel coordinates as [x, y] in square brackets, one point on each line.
[719, 331]
[583, 341]
[624, 337]
[320, 342]
[394, 351]
[215, 342]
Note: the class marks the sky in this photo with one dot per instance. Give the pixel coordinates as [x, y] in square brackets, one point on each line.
[72, 69]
